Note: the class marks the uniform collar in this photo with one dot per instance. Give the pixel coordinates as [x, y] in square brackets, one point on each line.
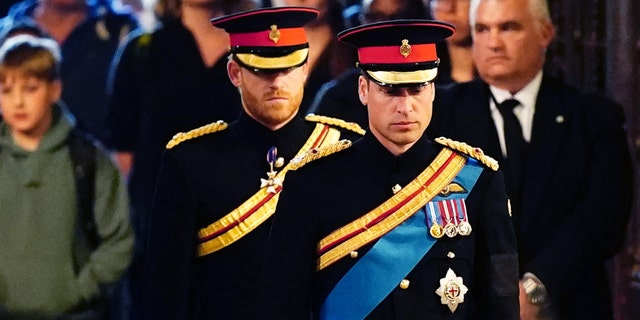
[288, 139]
[418, 156]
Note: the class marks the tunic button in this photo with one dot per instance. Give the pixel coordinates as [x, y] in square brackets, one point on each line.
[396, 188]
[353, 254]
[404, 284]
[451, 255]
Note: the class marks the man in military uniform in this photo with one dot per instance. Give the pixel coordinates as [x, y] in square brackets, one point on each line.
[396, 226]
[219, 184]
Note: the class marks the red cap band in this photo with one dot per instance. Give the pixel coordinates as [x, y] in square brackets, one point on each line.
[269, 38]
[392, 55]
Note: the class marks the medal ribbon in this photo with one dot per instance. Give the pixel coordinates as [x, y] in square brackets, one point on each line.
[392, 257]
[455, 202]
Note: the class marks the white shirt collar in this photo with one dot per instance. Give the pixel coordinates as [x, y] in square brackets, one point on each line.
[527, 97]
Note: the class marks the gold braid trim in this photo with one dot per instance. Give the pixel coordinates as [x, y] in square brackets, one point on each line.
[392, 212]
[197, 132]
[316, 153]
[473, 152]
[351, 126]
[259, 207]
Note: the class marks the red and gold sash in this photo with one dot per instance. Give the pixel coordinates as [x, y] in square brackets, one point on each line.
[392, 212]
[257, 209]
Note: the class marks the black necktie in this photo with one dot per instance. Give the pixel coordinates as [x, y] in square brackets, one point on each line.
[515, 145]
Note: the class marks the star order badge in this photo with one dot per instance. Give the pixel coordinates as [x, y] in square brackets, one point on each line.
[451, 290]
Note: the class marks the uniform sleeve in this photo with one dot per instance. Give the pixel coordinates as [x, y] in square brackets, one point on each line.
[111, 258]
[170, 253]
[497, 264]
[286, 284]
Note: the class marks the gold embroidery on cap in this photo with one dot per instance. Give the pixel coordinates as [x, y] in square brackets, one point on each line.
[405, 48]
[274, 34]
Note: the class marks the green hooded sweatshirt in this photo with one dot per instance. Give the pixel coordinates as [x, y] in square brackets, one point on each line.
[37, 225]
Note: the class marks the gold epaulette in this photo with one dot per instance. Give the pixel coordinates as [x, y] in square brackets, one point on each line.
[351, 126]
[197, 132]
[473, 152]
[317, 153]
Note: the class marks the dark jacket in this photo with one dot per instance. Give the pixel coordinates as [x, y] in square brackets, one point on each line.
[576, 189]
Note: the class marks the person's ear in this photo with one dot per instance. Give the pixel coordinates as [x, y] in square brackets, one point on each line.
[234, 72]
[305, 68]
[433, 90]
[363, 90]
[547, 33]
[56, 91]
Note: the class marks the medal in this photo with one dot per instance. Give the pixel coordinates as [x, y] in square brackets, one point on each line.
[450, 229]
[451, 290]
[272, 182]
[464, 227]
[435, 230]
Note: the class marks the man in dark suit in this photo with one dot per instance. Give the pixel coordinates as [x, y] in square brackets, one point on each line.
[396, 226]
[565, 155]
[219, 184]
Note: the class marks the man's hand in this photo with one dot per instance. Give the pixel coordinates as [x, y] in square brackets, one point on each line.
[528, 310]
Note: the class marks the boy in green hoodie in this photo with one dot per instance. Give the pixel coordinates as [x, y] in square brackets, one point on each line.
[52, 263]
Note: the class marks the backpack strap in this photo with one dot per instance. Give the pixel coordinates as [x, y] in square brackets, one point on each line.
[83, 156]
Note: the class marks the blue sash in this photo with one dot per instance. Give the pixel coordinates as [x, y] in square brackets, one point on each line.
[392, 257]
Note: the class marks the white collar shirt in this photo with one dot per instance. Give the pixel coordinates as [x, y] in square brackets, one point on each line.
[527, 97]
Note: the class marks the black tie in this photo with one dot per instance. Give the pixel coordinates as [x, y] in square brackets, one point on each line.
[515, 145]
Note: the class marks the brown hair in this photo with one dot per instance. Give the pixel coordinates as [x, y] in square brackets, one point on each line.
[33, 56]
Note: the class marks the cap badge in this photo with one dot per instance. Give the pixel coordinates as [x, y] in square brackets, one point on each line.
[274, 34]
[405, 48]
[451, 290]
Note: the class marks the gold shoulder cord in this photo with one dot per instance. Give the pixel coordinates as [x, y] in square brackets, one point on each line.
[315, 154]
[473, 152]
[351, 126]
[259, 207]
[197, 132]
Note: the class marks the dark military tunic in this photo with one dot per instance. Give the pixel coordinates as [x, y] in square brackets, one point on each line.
[202, 180]
[329, 193]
